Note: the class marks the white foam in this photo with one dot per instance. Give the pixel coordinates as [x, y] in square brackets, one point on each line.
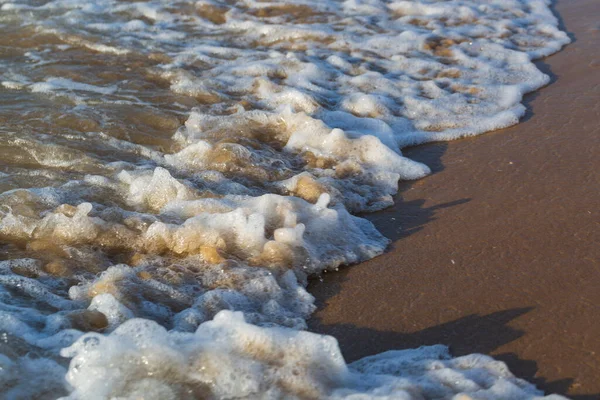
[52, 84]
[229, 358]
[190, 255]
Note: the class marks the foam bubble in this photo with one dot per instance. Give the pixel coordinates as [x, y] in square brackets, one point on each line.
[229, 358]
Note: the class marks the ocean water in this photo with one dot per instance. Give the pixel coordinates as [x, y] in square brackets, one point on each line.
[172, 172]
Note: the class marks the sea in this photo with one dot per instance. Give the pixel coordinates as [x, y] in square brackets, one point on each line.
[173, 172]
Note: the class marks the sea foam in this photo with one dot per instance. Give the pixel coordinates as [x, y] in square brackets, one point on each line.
[174, 172]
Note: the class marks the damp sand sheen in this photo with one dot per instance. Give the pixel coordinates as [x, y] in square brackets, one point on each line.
[172, 172]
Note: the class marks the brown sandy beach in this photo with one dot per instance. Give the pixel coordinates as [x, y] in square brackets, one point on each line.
[498, 251]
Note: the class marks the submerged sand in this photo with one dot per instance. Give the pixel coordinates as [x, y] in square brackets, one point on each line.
[497, 252]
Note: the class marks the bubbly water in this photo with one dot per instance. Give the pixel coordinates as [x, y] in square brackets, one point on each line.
[171, 172]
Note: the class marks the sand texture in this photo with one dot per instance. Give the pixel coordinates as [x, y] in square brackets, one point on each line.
[498, 251]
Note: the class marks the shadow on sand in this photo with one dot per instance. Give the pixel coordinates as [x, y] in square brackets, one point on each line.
[471, 334]
[414, 214]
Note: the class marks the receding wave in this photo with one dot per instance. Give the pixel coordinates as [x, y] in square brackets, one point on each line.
[172, 172]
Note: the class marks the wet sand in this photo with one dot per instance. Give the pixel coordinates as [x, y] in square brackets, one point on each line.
[498, 251]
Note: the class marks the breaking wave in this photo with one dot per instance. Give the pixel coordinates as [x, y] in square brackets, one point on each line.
[172, 172]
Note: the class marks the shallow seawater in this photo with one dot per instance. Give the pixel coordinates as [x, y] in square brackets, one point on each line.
[172, 172]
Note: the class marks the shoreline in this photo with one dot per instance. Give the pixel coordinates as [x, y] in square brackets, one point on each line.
[495, 252]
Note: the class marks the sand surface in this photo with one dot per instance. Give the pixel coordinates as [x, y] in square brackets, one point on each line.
[498, 251]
